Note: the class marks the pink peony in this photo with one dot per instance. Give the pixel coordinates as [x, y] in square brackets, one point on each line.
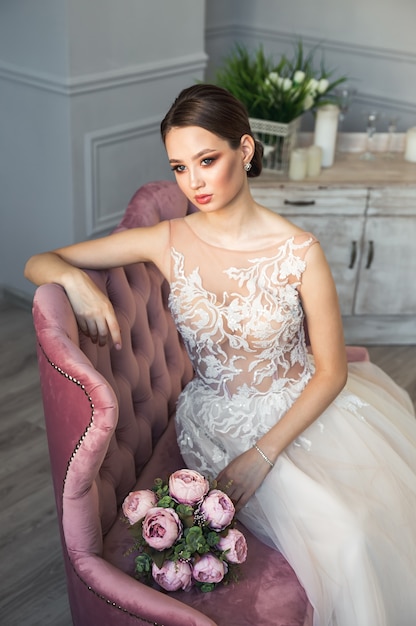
[173, 575]
[218, 509]
[137, 503]
[187, 486]
[209, 569]
[161, 528]
[236, 544]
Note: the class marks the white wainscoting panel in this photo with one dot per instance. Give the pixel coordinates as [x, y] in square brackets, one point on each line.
[119, 157]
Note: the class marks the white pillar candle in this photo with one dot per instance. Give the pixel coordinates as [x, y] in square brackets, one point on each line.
[314, 161]
[410, 150]
[326, 126]
[298, 164]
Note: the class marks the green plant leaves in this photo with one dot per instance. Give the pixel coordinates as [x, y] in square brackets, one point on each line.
[247, 77]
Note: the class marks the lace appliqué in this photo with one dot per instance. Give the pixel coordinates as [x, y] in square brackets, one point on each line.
[248, 351]
[240, 339]
[352, 403]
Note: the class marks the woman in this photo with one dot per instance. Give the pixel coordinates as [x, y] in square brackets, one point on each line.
[320, 462]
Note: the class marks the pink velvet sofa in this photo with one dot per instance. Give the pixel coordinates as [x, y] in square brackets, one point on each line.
[110, 429]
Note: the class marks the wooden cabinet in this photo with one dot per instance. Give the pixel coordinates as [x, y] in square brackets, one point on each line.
[387, 278]
[369, 237]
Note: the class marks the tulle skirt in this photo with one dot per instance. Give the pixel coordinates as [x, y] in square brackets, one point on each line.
[340, 502]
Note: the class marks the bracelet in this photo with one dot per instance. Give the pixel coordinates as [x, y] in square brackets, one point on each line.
[263, 455]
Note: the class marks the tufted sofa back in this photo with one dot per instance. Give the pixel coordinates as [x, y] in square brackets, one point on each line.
[146, 376]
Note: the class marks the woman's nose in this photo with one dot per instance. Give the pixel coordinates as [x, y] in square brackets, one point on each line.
[195, 180]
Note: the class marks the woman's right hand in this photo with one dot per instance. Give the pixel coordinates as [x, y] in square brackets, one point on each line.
[93, 310]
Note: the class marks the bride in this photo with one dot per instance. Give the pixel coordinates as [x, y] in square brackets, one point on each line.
[319, 457]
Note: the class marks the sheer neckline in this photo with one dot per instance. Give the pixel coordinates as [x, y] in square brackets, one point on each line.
[241, 251]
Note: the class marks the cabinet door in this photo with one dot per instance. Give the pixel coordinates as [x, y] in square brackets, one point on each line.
[341, 241]
[387, 278]
[336, 218]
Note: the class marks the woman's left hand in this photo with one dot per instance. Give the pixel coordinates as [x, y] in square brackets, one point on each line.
[242, 477]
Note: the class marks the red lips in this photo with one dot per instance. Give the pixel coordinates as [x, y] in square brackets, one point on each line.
[203, 199]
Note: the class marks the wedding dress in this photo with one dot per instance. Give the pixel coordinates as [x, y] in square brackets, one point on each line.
[340, 502]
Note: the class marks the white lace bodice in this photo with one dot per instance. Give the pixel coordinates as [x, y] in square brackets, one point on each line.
[344, 490]
[239, 313]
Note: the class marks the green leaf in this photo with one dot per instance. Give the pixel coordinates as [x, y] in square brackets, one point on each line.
[136, 531]
[193, 532]
[212, 539]
[160, 487]
[159, 556]
[143, 564]
[166, 502]
[186, 514]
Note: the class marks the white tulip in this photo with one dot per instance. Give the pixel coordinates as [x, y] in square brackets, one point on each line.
[299, 77]
[273, 78]
[308, 102]
[286, 84]
[313, 85]
[323, 85]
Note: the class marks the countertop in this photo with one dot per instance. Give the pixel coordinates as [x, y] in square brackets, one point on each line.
[349, 170]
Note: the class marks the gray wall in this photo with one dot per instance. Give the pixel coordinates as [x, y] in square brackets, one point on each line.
[84, 85]
[83, 88]
[372, 41]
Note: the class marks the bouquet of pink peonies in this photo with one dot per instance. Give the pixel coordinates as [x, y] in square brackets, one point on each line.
[184, 531]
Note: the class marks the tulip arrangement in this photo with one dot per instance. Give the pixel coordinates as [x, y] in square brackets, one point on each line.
[279, 93]
[184, 532]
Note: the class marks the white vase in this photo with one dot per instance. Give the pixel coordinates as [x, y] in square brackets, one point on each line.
[326, 127]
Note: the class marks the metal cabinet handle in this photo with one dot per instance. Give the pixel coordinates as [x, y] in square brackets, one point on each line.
[353, 256]
[300, 202]
[370, 255]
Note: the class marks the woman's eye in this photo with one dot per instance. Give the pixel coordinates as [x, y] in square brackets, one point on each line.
[207, 161]
[178, 168]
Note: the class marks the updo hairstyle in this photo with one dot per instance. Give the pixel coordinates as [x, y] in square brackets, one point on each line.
[216, 110]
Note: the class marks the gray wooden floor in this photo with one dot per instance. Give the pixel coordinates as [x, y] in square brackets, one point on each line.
[33, 591]
[31, 571]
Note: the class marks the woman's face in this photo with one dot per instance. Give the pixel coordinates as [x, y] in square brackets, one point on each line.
[209, 172]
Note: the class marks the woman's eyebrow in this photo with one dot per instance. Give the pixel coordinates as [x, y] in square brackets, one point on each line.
[198, 155]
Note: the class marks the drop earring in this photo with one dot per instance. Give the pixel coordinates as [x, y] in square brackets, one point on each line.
[247, 167]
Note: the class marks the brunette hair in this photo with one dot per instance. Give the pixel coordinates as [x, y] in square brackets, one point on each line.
[216, 110]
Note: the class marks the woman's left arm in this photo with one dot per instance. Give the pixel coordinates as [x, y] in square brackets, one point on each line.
[320, 303]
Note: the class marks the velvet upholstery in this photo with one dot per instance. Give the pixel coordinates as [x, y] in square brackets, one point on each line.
[109, 424]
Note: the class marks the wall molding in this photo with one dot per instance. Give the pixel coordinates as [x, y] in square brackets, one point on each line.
[94, 143]
[263, 34]
[399, 106]
[103, 80]
[240, 32]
